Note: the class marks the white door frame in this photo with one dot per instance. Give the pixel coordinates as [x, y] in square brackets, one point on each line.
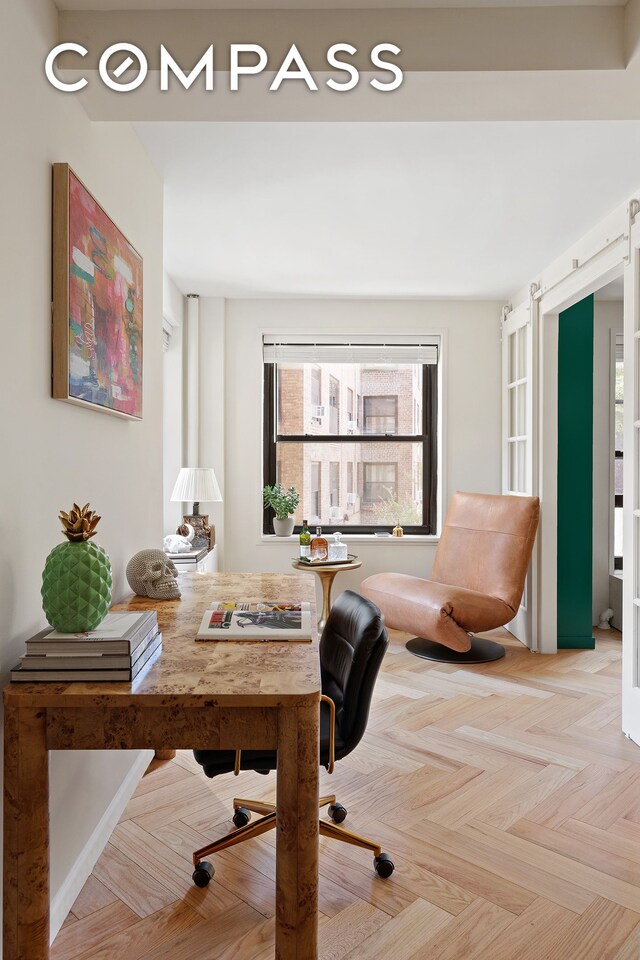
[631, 494]
[585, 280]
[519, 421]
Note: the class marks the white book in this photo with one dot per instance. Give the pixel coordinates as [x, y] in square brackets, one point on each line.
[256, 620]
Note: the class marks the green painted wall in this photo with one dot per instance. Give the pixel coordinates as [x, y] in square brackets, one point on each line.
[575, 476]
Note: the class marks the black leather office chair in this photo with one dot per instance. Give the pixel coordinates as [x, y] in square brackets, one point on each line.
[352, 647]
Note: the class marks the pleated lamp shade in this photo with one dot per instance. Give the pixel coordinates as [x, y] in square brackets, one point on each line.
[196, 484]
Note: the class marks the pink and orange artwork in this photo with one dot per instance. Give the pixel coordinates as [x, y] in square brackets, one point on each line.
[101, 294]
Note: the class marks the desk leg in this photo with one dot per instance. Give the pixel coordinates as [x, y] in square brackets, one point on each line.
[297, 834]
[326, 578]
[26, 834]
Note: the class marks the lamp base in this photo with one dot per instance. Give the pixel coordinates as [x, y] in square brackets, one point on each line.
[205, 536]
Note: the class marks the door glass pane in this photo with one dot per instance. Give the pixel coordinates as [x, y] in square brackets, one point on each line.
[522, 466]
[522, 352]
[513, 467]
[513, 412]
[522, 409]
[513, 358]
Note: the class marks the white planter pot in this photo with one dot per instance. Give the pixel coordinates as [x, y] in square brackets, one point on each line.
[283, 528]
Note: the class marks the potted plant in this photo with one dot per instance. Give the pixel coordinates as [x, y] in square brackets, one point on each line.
[283, 503]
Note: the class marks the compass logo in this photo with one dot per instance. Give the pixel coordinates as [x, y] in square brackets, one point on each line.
[245, 59]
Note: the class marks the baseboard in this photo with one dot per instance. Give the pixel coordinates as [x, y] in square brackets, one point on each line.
[81, 870]
[577, 643]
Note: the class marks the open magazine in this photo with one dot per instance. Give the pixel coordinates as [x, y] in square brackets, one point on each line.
[256, 620]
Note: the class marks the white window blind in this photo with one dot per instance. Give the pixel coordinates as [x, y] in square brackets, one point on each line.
[361, 349]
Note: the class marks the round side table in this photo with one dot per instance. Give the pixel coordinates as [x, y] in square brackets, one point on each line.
[327, 574]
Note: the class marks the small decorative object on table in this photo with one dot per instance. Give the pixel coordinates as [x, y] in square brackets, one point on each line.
[283, 503]
[150, 573]
[197, 484]
[337, 549]
[319, 546]
[397, 530]
[173, 543]
[255, 621]
[76, 581]
[305, 542]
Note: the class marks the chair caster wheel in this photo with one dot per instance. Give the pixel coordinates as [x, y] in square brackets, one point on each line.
[383, 865]
[203, 874]
[337, 812]
[241, 817]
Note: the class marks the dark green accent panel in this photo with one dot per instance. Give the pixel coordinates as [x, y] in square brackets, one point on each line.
[575, 476]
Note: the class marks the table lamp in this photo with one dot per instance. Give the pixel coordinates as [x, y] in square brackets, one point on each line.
[198, 484]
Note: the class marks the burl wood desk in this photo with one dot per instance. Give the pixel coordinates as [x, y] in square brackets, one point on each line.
[195, 695]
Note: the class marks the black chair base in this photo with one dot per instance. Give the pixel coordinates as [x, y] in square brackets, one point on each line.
[482, 651]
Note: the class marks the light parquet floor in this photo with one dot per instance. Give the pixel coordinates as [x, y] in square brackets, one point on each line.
[506, 794]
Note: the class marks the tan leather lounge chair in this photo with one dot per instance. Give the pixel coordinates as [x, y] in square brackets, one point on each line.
[476, 583]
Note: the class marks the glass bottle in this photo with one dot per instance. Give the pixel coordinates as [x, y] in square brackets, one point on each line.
[305, 542]
[319, 548]
[337, 549]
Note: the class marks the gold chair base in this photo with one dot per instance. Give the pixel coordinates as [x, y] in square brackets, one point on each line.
[268, 821]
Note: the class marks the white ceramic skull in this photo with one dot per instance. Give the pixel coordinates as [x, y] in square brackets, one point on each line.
[151, 574]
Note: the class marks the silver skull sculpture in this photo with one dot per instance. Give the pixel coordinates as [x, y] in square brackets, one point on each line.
[151, 574]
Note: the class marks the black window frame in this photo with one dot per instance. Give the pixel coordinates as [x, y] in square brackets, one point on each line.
[428, 438]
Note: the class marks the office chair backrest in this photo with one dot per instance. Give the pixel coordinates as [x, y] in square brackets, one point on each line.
[352, 648]
[486, 544]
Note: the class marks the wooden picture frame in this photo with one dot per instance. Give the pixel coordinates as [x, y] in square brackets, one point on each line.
[97, 319]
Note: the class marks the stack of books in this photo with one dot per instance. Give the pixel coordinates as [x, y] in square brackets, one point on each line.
[191, 557]
[118, 649]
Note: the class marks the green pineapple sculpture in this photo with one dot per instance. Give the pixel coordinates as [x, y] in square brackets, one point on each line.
[76, 582]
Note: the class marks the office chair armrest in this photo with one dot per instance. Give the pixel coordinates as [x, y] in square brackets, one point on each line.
[332, 732]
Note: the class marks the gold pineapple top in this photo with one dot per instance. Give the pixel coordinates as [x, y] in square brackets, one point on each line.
[80, 523]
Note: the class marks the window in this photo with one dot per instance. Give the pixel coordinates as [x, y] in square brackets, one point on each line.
[316, 387]
[380, 482]
[315, 492]
[334, 484]
[379, 458]
[381, 415]
[334, 404]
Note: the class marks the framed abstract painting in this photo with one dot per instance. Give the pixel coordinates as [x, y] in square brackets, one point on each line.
[97, 304]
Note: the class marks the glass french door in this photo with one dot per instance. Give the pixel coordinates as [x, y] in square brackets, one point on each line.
[517, 436]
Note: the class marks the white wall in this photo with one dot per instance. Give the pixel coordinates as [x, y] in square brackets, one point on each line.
[53, 452]
[608, 320]
[211, 439]
[471, 408]
[173, 438]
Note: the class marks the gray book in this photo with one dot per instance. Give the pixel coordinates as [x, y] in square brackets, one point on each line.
[119, 633]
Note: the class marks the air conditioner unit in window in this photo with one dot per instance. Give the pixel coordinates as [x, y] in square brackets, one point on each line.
[335, 513]
[318, 412]
[351, 499]
[352, 424]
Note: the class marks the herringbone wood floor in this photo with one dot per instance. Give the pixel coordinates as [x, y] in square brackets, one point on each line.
[506, 793]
